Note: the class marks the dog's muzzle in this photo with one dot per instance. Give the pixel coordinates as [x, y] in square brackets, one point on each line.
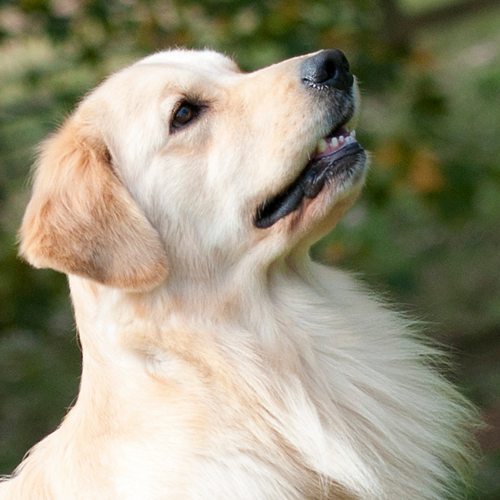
[338, 157]
[327, 69]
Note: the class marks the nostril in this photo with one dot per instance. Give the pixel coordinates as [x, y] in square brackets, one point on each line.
[328, 68]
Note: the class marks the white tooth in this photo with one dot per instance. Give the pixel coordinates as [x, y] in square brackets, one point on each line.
[353, 134]
[341, 139]
[335, 142]
[321, 147]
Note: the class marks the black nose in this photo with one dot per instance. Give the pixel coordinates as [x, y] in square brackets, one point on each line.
[328, 68]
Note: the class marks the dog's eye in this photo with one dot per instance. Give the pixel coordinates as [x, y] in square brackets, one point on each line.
[185, 113]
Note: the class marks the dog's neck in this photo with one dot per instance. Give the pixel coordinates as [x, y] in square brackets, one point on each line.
[121, 329]
[151, 364]
[156, 353]
[199, 382]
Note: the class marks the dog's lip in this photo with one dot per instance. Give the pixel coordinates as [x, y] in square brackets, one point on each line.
[335, 155]
[333, 142]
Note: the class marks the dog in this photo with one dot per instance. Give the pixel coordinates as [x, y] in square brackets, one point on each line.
[219, 362]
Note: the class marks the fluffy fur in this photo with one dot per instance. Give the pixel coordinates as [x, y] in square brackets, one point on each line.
[219, 361]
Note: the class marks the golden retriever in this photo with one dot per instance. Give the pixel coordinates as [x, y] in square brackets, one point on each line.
[219, 362]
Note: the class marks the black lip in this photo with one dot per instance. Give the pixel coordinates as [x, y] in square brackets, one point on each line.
[339, 165]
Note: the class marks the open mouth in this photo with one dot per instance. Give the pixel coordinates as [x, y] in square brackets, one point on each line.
[336, 159]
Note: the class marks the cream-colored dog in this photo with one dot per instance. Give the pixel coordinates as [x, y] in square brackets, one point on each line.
[219, 362]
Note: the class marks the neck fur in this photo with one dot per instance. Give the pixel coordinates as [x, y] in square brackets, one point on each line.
[294, 367]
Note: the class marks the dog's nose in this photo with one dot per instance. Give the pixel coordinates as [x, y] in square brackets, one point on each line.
[328, 68]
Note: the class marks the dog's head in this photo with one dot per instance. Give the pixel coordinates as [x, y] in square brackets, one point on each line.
[183, 164]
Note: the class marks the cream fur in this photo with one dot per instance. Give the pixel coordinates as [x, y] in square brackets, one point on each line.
[219, 362]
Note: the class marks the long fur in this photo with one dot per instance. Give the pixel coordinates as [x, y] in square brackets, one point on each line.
[219, 361]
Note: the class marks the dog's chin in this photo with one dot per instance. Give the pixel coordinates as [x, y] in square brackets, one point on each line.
[333, 174]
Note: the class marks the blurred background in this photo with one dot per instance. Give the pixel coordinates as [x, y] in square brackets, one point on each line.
[426, 231]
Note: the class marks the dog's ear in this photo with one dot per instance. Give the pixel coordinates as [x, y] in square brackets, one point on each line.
[82, 220]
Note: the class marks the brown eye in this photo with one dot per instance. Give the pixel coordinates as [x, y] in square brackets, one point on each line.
[184, 114]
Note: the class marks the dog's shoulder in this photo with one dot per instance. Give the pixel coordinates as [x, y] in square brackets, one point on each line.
[375, 383]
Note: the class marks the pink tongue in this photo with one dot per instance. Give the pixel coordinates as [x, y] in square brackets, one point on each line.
[331, 149]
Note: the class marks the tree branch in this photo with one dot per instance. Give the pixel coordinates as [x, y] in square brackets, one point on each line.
[449, 13]
[400, 27]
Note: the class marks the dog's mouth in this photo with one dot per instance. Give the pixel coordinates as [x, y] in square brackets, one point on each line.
[335, 159]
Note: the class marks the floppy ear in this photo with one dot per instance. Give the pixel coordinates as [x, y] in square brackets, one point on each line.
[82, 220]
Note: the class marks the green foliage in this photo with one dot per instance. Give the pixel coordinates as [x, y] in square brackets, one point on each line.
[426, 228]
